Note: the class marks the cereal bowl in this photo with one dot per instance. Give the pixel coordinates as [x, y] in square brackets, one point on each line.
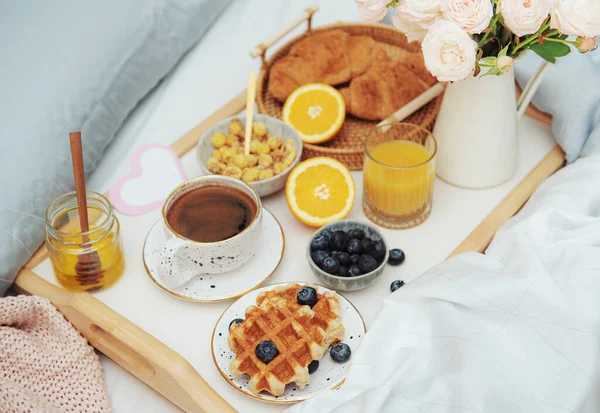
[275, 127]
[337, 282]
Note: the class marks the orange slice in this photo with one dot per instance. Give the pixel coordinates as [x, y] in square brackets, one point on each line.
[317, 111]
[319, 191]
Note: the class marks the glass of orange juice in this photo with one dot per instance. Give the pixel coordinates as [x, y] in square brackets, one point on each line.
[399, 170]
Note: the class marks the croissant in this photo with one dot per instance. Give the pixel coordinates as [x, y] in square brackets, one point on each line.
[385, 87]
[332, 57]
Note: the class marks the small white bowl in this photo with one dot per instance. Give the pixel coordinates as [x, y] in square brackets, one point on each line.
[275, 127]
[336, 282]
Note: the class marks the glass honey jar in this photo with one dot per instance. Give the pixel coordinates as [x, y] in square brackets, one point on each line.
[84, 261]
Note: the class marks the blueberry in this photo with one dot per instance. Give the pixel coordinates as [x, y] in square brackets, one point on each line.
[331, 265]
[354, 259]
[339, 240]
[307, 296]
[367, 245]
[340, 352]
[367, 263]
[266, 351]
[319, 243]
[396, 284]
[343, 271]
[344, 258]
[378, 250]
[318, 257]
[396, 257]
[356, 233]
[354, 271]
[355, 246]
[334, 253]
[313, 366]
[327, 234]
[236, 321]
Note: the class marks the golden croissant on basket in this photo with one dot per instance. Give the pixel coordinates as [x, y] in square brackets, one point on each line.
[378, 85]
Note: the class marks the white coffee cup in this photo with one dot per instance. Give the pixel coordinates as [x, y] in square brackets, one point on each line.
[182, 259]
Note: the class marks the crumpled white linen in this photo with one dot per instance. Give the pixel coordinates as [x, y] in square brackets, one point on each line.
[514, 330]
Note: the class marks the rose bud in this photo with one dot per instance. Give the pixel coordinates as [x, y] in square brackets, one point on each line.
[505, 63]
[586, 44]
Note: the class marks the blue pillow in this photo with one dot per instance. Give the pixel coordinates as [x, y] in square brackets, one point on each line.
[570, 92]
[75, 65]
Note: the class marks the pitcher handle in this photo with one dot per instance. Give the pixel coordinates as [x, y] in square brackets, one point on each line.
[531, 87]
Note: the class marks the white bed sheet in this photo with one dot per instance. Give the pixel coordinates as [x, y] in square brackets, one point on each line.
[514, 330]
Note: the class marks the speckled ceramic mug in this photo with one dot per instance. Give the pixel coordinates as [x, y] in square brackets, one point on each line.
[182, 259]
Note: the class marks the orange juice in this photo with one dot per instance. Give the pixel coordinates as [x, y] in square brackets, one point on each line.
[398, 178]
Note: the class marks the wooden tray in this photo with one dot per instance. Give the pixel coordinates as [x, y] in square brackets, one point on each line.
[159, 366]
[348, 145]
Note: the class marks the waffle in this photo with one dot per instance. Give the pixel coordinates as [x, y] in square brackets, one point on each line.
[300, 333]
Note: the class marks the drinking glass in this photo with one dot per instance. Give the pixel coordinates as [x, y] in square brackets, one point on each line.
[399, 171]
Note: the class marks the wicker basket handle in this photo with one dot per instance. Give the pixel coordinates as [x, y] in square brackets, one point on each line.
[261, 49]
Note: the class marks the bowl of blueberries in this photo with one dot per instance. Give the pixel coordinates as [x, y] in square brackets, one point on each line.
[347, 255]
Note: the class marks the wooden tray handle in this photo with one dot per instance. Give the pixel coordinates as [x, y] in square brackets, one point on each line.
[132, 348]
[261, 49]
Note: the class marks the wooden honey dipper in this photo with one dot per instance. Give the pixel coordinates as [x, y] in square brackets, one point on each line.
[88, 267]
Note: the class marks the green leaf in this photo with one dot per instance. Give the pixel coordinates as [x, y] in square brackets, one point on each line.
[490, 60]
[503, 51]
[558, 49]
[494, 71]
[545, 54]
[550, 50]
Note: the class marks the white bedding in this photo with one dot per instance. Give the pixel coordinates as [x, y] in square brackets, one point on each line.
[514, 330]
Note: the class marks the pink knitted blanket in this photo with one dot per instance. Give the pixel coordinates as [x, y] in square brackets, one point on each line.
[45, 364]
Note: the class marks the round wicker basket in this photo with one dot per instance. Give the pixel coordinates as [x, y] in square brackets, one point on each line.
[348, 146]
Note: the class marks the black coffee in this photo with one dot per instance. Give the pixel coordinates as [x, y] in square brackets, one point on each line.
[211, 213]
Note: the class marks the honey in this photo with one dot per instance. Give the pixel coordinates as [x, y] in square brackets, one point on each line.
[68, 246]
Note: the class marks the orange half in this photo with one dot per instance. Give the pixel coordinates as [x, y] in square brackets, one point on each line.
[317, 112]
[319, 191]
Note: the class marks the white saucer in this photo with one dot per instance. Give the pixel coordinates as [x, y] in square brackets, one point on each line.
[224, 286]
[329, 375]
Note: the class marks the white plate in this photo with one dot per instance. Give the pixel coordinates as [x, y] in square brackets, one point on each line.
[224, 286]
[329, 375]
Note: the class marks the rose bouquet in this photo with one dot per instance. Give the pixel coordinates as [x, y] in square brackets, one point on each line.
[462, 37]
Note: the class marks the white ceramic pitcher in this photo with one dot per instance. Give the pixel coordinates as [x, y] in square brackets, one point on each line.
[477, 129]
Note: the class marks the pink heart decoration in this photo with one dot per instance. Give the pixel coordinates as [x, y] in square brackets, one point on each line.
[155, 171]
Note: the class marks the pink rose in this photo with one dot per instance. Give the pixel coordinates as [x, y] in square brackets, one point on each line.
[524, 17]
[416, 16]
[473, 16]
[371, 10]
[449, 52]
[576, 17]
